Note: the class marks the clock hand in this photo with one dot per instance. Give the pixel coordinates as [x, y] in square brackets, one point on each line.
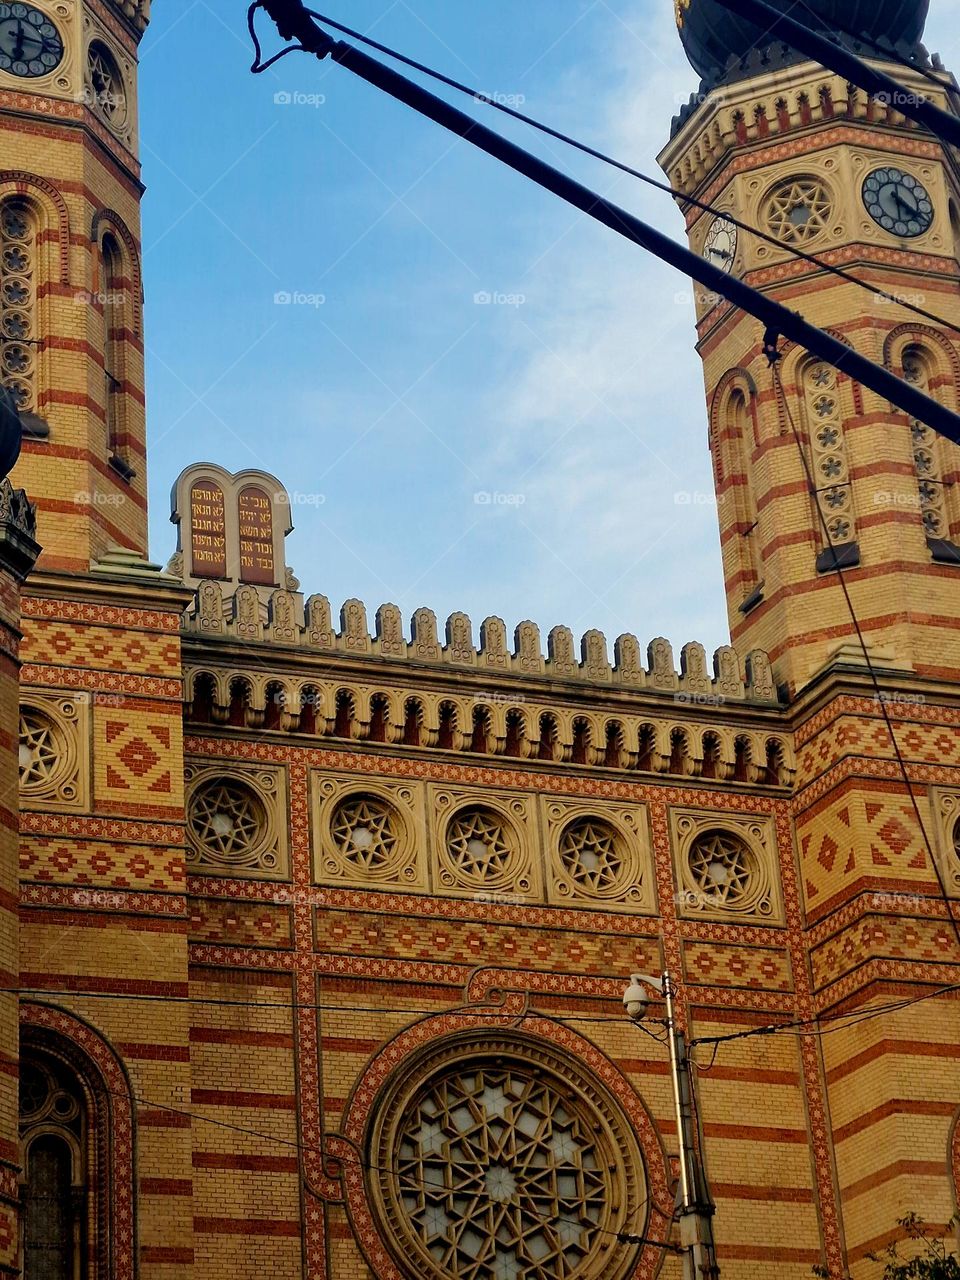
[17, 54]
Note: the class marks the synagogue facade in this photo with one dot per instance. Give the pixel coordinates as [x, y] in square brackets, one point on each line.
[314, 953]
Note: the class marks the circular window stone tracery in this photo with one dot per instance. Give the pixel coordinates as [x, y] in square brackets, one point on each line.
[46, 759]
[593, 856]
[228, 824]
[105, 89]
[366, 833]
[501, 1161]
[724, 870]
[481, 848]
[798, 210]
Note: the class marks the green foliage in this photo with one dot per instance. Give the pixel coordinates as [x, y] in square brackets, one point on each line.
[934, 1261]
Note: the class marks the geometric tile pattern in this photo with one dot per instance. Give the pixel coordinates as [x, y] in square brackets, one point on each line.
[881, 937]
[240, 924]
[49, 860]
[458, 942]
[63, 644]
[712, 964]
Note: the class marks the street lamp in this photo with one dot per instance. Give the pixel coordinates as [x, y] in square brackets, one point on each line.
[696, 1207]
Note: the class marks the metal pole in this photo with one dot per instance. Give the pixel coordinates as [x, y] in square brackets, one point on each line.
[816, 46]
[696, 1208]
[292, 18]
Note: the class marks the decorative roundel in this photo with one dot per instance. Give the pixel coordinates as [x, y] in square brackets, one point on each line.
[720, 246]
[495, 1159]
[105, 90]
[593, 856]
[30, 44]
[798, 210]
[898, 202]
[723, 868]
[45, 755]
[364, 830]
[480, 846]
[227, 823]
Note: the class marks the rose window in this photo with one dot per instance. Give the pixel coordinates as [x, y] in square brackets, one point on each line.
[798, 210]
[228, 824]
[592, 855]
[364, 831]
[480, 845]
[496, 1167]
[105, 89]
[43, 752]
[723, 869]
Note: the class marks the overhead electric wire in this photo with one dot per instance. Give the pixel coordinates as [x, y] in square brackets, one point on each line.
[368, 1166]
[774, 358]
[665, 187]
[887, 51]
[817, 47]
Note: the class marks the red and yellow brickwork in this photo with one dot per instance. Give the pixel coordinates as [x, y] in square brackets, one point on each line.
[272, 870]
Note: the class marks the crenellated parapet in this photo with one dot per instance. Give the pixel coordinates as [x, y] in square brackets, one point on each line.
[774, 105]
[283, 618]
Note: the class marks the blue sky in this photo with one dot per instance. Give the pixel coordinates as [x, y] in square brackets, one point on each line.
[386, 397]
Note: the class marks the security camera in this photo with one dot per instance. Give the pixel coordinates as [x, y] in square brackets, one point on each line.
[637, 997]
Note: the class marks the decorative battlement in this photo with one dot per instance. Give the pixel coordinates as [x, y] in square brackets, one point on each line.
[714, 123]
[284, 619]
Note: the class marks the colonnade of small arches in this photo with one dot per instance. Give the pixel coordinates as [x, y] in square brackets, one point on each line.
[491, 726]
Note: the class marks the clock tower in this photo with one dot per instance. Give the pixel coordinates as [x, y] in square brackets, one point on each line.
[792, 149]
[70, 281]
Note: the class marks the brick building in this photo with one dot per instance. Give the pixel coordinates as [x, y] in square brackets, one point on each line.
[322, 926]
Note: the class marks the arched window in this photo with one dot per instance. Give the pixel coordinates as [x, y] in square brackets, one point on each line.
[834, 519]
[114, 338]
[56, 1187]
[736, 494]
[918, 369]
[18, 302]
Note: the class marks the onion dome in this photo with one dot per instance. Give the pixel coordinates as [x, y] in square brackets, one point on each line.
[724, 47]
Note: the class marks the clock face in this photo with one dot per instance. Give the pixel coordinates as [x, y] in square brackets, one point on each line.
[898, 202]
[721, 244]
[30, 44]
